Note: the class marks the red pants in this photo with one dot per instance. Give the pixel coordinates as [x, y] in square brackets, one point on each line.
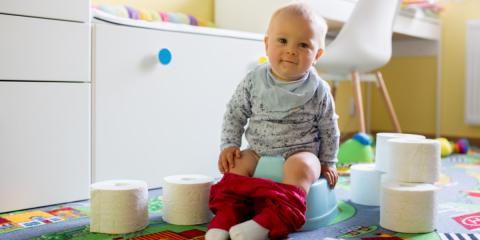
[276, 206]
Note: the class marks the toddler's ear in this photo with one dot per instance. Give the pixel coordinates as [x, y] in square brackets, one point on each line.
[319, 53]
[265, 40]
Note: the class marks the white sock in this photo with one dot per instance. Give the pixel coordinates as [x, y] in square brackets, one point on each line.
[248, 230]
[216, 234]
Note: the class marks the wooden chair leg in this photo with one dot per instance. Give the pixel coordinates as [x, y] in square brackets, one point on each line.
[357, 91]
[391, 111]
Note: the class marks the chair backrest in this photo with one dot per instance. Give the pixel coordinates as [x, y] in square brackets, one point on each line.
[365, 41]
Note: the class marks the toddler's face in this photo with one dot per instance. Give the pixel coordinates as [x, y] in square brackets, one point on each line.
[292, 45]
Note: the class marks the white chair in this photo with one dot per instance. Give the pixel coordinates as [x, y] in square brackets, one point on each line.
[363, 44]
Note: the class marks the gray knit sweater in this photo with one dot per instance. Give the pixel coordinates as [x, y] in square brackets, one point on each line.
[283, 117]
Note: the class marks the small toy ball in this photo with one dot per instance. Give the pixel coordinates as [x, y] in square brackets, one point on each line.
[445, 147]
[462, 145]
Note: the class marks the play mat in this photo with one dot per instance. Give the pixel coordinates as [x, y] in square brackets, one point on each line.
[458, 214]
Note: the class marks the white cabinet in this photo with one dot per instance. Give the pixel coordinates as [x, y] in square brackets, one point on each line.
[45, 106]
[44, 143]
[154, 120]
[73, 10]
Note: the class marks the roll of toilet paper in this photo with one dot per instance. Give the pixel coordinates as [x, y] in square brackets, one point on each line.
[414, 160]
[118, 206]
[382, 150]
[408, 207]
[185, 199]
[365, 184]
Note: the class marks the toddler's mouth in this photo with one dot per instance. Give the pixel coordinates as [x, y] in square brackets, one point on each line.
[289, 61]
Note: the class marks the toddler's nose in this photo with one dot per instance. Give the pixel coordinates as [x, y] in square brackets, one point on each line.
[291, 51]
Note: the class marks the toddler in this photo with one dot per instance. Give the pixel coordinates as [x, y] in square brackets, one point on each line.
[291, 113]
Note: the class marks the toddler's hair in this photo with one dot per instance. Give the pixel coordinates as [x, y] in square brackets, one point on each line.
[303, 10]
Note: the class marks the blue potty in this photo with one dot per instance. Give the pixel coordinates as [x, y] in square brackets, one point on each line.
[321, 200]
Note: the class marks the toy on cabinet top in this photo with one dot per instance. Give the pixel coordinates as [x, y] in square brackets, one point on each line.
[152, 15]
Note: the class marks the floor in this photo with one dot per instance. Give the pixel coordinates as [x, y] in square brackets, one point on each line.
[458, 211]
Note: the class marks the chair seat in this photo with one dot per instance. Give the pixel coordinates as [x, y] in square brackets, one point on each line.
[363, 45]
[365, 41]
[321, 200]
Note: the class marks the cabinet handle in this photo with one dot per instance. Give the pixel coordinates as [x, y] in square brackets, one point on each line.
[164, 56]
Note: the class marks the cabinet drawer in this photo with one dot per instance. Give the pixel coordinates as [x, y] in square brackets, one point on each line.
[44, 143]
[74, 10]
[35, 49]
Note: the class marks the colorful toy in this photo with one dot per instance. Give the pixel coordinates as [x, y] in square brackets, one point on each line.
[445, 147]
[262, 60]
[448, 147]
[152, 15]
[356, 150]
[461, 146]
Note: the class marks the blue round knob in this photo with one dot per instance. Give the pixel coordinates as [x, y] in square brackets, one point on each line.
[164, 56]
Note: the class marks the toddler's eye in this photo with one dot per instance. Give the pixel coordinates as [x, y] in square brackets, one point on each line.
[303, 45]
[282, 40]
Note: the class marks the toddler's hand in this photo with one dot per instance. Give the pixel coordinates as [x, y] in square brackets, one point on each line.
[227, 158]
[330, 174]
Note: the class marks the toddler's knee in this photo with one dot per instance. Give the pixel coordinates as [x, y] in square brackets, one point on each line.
[245, 165]
[302, 166]
[240, 168]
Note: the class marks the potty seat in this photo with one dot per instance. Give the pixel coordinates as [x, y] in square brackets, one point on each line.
[321, 200]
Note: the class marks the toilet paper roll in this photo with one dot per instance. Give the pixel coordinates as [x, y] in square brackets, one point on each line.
[365, 184]
[118, 206]
[408, 207]
[185, 199]
[382, 149]
[414, 160]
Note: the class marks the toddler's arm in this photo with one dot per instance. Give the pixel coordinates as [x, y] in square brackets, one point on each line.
[329, 137]
[236, 115]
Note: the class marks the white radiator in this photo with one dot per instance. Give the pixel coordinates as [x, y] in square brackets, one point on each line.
[472, 73]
